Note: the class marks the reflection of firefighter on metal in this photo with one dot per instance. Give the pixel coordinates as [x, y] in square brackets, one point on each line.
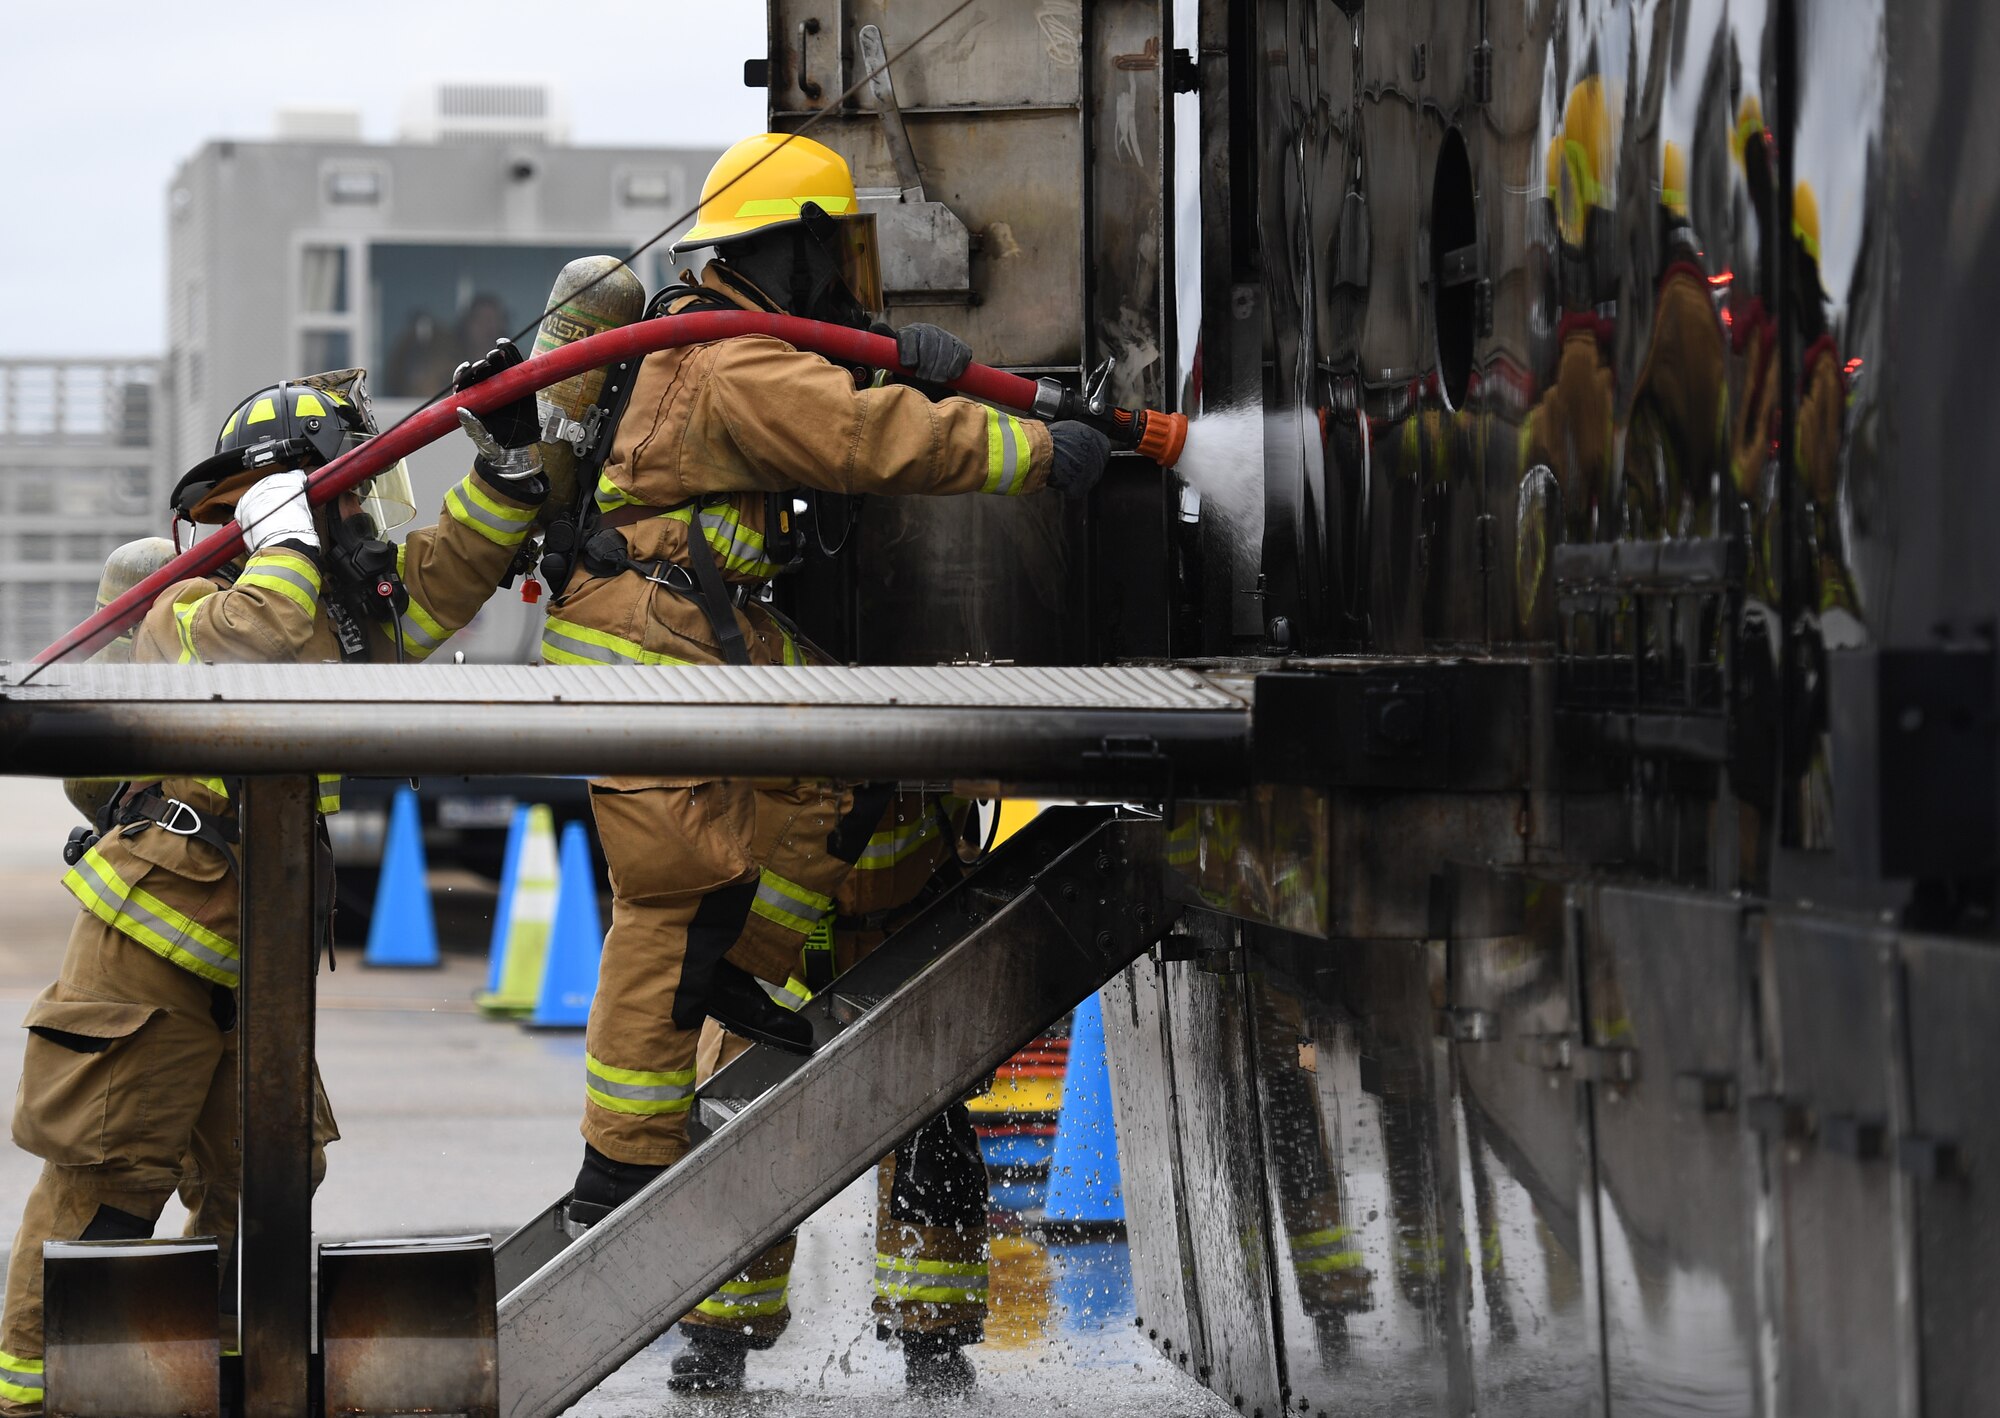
[931, 1265]
[1323, 1246]
[1570, 430]
[1819, 431]
[1753, 341]
[1675, 444]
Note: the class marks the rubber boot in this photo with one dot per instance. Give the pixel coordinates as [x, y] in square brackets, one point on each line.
[713, 1362]
[603, 1185]
[935, 1365]
[738, 1003]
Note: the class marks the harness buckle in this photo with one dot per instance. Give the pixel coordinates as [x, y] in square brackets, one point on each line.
[179, 818]
[670, 574]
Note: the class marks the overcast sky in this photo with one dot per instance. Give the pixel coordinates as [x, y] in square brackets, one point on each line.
[102, 100]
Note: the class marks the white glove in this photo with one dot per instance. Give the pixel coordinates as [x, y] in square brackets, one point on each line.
[274, 509]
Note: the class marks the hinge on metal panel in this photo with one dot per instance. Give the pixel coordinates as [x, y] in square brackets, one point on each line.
[1468, 1026]
[1482, 301]
[1482, 72]
[1598, 1064]
[1705, 1092]
[1485, 525]
[1775, 1115]
[1863, 1139]
[1931, 1159]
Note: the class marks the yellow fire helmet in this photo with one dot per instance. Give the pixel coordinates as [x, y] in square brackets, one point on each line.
[1674, 179]
[767, 182]
[1805, 218]
[1581, 158]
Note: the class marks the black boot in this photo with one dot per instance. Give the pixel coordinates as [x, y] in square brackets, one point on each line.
[934, 1364]
[603, 1185]
[738, 1003]
[713, 1362]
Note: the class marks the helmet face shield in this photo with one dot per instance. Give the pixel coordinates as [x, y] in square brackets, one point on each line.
[388, 497]
[852, 246]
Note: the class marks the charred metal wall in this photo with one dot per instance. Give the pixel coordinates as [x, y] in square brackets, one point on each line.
[1642, 1151]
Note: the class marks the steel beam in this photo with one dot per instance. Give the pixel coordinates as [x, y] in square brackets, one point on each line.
[275, 1015]
[1015, 957]
[1077, 728]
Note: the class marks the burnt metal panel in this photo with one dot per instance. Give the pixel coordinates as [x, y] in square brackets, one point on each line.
[408, 1326]
[1950, 1152]
[1534, 1338]
[129, 1329]
[1144, 1089]
[1662, 980]
[1843, 1244]
[1223, 1169]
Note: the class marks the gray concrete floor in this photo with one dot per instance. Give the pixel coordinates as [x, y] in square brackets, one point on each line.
[454, 1123]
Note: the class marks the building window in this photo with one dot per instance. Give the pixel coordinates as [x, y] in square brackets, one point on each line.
[35, 493]
[325, 349]
[323, 280]
[436, 305]
[37, 546]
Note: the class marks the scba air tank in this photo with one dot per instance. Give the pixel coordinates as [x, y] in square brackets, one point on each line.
[593, 294]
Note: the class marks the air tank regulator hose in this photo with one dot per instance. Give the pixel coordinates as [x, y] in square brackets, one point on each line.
[1157, 435]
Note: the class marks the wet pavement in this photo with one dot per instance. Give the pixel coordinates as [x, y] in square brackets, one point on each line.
[452, 1122]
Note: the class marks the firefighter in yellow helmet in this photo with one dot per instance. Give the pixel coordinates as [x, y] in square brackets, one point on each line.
[717, 885]
[1570, 430]
[129, 1086]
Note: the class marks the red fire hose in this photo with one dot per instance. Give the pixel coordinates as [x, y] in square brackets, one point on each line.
[350, 469]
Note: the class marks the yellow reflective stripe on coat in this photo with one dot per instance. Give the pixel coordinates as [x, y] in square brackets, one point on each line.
[184, 627]
[1331, 1249]
[935, 1282]
[636, 1090]
[168, 933]
[1007, 452]
[290, 574]
[500, 523]
[739, 548]
[796, 908]
[792, 995]
[747, 1299]
[565, 642]
[329, 792]
[610, 496]
[896, 844]
[20, 1379]
[422, 632]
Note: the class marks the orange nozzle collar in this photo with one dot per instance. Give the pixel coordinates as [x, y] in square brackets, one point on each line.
[1162, 436]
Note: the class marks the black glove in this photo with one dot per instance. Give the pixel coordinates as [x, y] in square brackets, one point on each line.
[1080, 455]
[935, 356]
[514, 425]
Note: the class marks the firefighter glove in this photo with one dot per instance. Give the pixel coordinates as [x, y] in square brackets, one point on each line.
[274, 509]
[1080, 455]
[508, 437]
[935, 356]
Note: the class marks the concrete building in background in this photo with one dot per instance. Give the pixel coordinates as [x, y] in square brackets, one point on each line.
[316, 250]
[83, 469]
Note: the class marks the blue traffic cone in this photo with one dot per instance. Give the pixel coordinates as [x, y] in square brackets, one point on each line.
[402, 932]
[576, 940]
[1083, 1173]
[510, 871]
[521, 924]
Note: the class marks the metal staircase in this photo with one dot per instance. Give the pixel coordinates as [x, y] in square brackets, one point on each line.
[1062, 907]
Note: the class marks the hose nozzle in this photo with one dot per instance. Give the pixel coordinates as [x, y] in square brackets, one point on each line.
[1161, 436]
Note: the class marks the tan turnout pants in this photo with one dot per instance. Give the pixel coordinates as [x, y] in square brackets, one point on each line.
[129, 1091]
